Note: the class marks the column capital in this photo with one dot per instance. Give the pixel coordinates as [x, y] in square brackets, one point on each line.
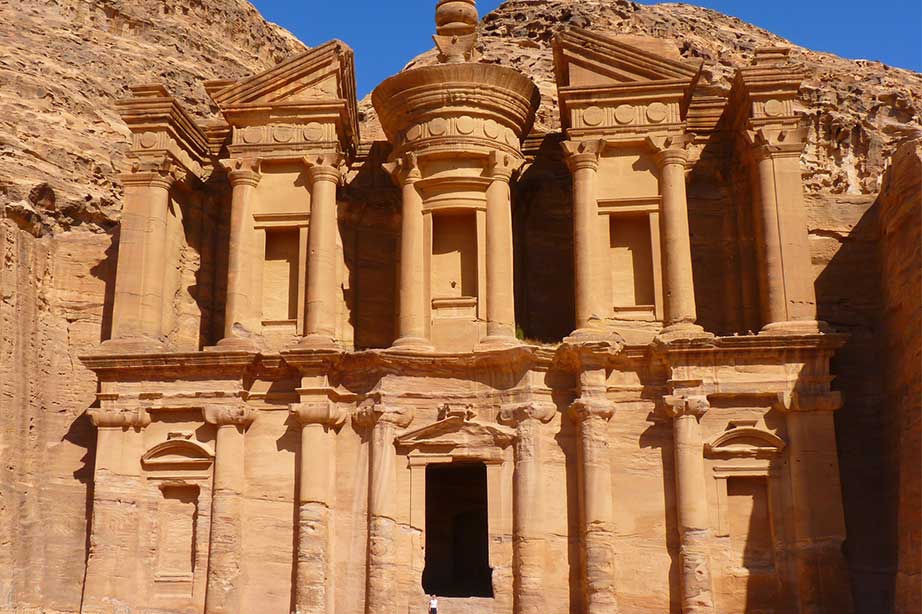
[372, 414]
[678, 406]
[584, 408]
[501, 166]
[228, 415]
[243, 171]
[324, 167]
[777, 141]
[514, 414]
[323, 412]
[404, 170]
[161, 172]
[583, 154]
[136, 417]
[671, 149]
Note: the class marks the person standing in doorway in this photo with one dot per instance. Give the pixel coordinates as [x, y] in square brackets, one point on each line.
[433, 604]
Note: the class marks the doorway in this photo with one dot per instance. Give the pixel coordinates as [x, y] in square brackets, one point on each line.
[457, 532]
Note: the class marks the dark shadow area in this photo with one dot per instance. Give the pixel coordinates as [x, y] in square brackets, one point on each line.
[848, 294]
[104, 271]
[543, 245]
[457, 537]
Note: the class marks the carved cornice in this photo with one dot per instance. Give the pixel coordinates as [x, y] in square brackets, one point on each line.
[238, 414]
[134, 417]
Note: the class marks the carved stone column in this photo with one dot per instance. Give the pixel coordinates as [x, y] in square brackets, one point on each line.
[583, 160]
[239, 310]
[112, 573]
[592, 412]
[322, 292]
[528, 531]
[313, 578]
[382, 559]
[694, 532]
[137, 312]
[414, 313]
[787, 296]
[500, 285]
[225, 560]
[679, 283]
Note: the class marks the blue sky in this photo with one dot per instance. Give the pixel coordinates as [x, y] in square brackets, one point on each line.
[386, 34]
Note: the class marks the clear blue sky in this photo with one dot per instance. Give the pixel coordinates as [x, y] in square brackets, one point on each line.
[386, 34]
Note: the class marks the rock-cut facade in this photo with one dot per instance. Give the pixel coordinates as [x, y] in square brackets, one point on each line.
[466, 361]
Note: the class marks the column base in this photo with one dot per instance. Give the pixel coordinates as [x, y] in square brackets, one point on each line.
[594, 335]
[796, 327]
[412, 344]
[318, 342]
[133, 345]
[683, 331]
[498, 342]
[234, 344]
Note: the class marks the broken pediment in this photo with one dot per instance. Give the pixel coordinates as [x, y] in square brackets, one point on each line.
[456, 432]
[744, 441]
[317, 85]
[587, 59]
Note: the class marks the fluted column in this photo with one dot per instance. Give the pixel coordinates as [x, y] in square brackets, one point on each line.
[787, 295]
[137, 311]
[679, 291]
[583, 160]
[323, 295]
[382, 556]
[241, 315]
[313, 578]
[694, 531]
[112, 572]
[529, 539]
[413, 329]
[225, 554]
[500, 282]
[592, 411]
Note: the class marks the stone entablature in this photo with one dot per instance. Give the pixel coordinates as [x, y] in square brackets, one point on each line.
[282, 463]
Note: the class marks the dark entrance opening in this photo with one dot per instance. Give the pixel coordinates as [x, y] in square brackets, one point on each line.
[457, 542]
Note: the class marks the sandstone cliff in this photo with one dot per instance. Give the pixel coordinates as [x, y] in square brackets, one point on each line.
[62, 65]
[64, 62]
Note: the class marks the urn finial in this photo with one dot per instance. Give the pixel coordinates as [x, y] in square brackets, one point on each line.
[456, 30]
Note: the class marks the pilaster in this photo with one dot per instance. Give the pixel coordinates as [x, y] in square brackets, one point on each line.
[529, 533]
[692, 504]
[226, 566]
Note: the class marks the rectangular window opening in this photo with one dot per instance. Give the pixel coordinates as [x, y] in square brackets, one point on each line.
[454, 255]
[631, 260]
[457, 539]
[280, 276]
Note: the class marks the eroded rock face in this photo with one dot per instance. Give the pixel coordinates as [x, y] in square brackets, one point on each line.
[63, 65]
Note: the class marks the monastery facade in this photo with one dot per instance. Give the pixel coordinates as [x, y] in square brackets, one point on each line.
[472, 361]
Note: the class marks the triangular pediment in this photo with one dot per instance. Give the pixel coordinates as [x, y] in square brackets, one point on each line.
[585, 59]
[457, 432]
[324, 73]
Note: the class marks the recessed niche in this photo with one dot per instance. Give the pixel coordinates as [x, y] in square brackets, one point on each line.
[454, 255]
[280, 275]
[176, 513]
[631, 261]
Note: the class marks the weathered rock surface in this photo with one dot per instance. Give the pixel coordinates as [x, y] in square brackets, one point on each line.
[64, 62]
[62, 66]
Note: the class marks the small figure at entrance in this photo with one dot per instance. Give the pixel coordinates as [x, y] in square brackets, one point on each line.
[433, 604]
